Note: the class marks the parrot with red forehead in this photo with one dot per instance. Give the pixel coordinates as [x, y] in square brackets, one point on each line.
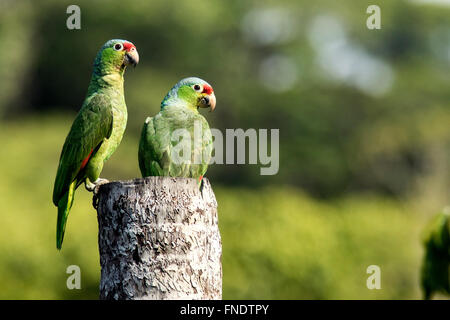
[97, 129]
[177, 142]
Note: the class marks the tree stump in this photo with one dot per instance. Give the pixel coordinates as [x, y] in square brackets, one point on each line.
[159, 239]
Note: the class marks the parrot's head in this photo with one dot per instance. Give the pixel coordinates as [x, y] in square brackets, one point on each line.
[115, 55]
[195, 92]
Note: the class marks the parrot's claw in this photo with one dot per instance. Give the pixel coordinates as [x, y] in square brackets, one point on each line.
[89, 186]
[101, 181]
[94, 188]
[98, 183]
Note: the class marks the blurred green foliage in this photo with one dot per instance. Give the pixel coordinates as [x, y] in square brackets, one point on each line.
[364, 135]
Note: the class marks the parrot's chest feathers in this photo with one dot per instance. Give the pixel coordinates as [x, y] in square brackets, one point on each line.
[181, 116]
[120, 115]
[113, 80]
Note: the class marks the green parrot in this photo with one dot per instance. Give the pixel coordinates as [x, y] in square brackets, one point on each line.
[177, 142]
[97, 129]
[436, 261]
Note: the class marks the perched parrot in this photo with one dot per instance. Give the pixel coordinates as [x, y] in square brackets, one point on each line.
[436, 262]
[97, 129]
[179, 126]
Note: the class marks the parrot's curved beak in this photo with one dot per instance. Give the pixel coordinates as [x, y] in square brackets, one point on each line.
[131, 57]
[208, 101]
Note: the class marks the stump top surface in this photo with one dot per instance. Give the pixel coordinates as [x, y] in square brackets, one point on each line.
[171, 185]
[189, 183]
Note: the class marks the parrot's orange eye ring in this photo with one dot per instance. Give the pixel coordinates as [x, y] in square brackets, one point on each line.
[118, 46]
[197, 87]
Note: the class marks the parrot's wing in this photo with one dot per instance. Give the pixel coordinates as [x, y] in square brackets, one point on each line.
[91, 126]
[154, 147]
[204, 149]
[145, 148]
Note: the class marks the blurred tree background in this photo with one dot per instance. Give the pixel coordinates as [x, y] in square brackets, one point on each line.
[364, 135]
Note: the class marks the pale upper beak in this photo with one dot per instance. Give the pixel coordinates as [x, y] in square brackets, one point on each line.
[209, 100]
[212, 101]
[132, 57]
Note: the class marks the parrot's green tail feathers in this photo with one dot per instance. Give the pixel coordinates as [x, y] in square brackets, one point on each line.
[64, 206]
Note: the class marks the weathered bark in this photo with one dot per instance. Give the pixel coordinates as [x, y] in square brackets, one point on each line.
[159, 239]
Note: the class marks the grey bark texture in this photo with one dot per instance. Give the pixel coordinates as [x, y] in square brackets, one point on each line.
[159, 239]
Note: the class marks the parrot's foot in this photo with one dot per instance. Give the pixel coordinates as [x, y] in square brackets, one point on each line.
[89, 186]
[94, 188]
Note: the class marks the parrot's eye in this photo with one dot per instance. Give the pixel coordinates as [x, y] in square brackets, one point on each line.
[197, 87]
[118, 46]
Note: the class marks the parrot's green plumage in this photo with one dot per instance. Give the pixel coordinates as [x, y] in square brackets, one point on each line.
[436, 262]
[178, 125]
[97, 129]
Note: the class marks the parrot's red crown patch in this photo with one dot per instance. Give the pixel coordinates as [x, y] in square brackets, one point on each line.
[128, 46]
[207, 89]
